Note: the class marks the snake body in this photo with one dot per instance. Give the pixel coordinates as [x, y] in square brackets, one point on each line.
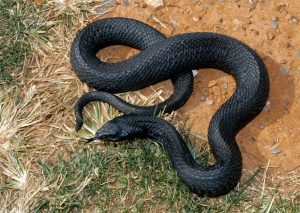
[172, 58]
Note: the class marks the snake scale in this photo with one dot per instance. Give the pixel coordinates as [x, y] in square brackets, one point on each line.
[172, 58]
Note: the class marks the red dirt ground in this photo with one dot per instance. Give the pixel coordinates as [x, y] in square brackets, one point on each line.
[272, 29]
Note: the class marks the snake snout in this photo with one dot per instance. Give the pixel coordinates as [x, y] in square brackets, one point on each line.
[109, 132]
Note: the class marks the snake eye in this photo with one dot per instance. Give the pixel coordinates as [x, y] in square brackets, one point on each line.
[110, 132]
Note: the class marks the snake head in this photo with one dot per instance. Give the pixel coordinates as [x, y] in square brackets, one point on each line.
[111, 131]
[115, 130]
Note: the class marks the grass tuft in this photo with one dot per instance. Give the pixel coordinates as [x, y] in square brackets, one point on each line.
[22, 30]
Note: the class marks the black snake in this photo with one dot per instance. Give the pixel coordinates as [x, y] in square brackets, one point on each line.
[172, 58]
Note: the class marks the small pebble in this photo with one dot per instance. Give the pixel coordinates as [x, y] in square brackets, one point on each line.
[267, 106]
[238, 24]
[252, 139]
[196, 18]
[274, 25]
[155, 3]
[275, 151]
[209, 102]
[202, 98]
[225, 85]
[237, 21]
[293, 20]
[174, 22]
[251, 5]
[284, 69]
[195, 73]
[298, 53]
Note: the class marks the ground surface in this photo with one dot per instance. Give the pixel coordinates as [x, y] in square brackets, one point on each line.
[272, 29]
[44, 166]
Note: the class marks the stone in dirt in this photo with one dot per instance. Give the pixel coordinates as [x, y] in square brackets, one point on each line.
[154, 3]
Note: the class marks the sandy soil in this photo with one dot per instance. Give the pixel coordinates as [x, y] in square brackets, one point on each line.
[272, 29]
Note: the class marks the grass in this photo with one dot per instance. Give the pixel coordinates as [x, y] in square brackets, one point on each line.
[46, 167]
[22, 30]
[132, 176]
